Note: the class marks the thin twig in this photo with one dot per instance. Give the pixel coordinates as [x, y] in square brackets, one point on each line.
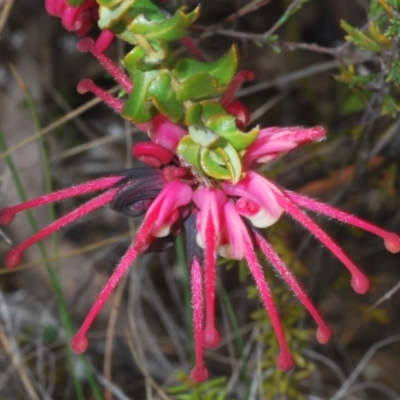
[288, 78]
[289, 10]
[157, 388]
[388, 295]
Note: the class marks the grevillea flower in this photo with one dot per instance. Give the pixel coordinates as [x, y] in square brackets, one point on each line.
[219, 216]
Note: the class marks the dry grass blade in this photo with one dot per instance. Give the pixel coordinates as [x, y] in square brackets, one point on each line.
[7, 6]
[157, 388]
[54, 125]
[67, 254]
[12, 350]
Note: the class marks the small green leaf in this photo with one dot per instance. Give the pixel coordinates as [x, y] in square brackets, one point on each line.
[109, 15]
[393, 30]
[221, 162]
[232, 161]
[352, 104]
[225, 126]
[394, 73]
[193, 115]
[359, 38]
[138, 108]
[204, 137]
[164, 97]
[211, 108]
[222, 70]
[170, 29]
[190, 152]
[199, 86]
[390, 106]
[211, 167]
[112, 11]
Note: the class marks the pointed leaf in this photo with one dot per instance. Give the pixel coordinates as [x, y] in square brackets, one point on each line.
[211, 167]
[110, 15]
[222, 70]
[112, 11]
[222, 162]
[164, 97]
[211, 108]
[204, 137]
[224, 125]
[193, 114]
[170, 29]
[199, 86]
[190, 152]
[138, 108]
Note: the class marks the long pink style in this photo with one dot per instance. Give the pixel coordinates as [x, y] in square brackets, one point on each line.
[199, 373]
[359, 281]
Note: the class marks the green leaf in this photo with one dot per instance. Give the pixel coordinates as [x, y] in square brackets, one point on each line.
[393, 30]
[211, 108]
[170, 29]
[359, 38]
[193, 115]
[190, 152]
[164, 97]
[138, 108]
[138, 58]
[223, 70]
[210, 165]
[199, 86]
[222, 162]
[204, 137]
[352, 104]
[112, 11]
[394, 73]
[110, 15]
[225, 127]
[390, 106]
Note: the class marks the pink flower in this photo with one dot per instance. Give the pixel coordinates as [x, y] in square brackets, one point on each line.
[170, 196]
[80, 19]
[219, 217]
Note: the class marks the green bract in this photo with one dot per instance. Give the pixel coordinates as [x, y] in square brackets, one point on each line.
[184, 90]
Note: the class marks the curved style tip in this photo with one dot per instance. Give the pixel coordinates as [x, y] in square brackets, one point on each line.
[85, 44]
[13, 258]
[79, 344]
[324, 334]
[211, 338]
[360, 283]
[285, 361]
[392, 242]
[199, 374]
[84, 85]
[7, 216]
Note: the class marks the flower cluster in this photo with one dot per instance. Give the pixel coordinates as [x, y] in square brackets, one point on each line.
[200, 178]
